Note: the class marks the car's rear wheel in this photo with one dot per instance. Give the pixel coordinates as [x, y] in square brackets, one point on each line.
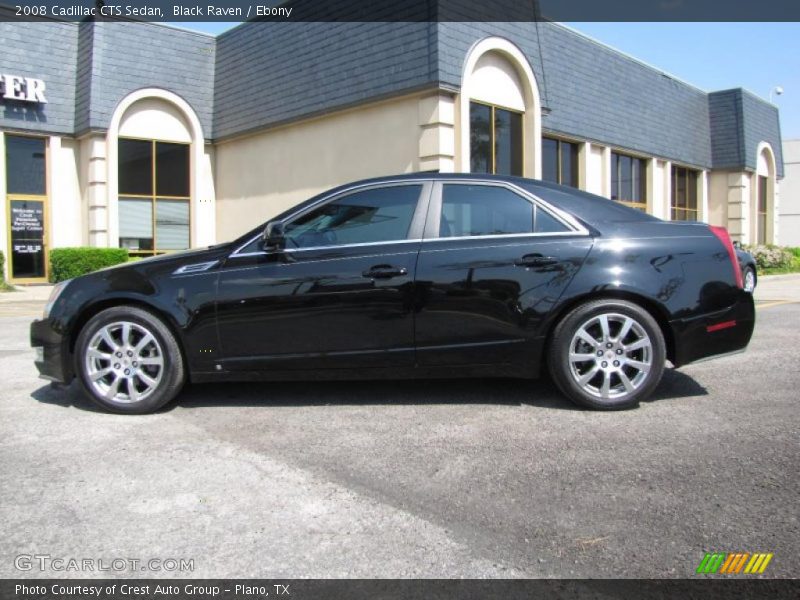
[607, 354]
[749, 280]
[128, 361]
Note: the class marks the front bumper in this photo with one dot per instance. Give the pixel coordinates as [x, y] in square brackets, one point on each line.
[53, 360]
[717, 333]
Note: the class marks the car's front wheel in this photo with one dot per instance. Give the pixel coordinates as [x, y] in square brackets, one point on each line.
[607, 354]
[128, 361]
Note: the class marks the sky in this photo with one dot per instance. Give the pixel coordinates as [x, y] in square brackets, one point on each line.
[710, 56]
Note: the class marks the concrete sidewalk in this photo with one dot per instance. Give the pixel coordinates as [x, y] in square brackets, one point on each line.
[27, 293]
[774, 288]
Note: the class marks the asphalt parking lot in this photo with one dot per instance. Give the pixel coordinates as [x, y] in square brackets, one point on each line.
[485, 478]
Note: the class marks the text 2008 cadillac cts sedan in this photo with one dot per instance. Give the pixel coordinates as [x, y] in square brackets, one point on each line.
[413, 276]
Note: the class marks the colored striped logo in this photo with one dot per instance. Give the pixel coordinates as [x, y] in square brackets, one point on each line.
[734, 563]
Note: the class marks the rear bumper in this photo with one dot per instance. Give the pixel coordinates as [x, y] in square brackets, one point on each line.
[52, 356]
[713, 334]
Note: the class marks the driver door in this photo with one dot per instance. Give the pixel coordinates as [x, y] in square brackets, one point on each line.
[340, 295]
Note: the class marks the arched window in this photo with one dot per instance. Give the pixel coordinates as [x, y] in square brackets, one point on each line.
[764, 196]
[500, 122]
[154, 187]
[155, 148]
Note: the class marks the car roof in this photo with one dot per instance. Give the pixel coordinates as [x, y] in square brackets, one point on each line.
[587, 207]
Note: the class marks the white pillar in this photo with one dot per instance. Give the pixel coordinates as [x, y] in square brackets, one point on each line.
[606, 172]
[93, 162]
[203, 196]
[437, 141]
[702, 196]
[739, 206]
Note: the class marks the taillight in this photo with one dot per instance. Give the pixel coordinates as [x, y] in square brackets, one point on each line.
[723, 236]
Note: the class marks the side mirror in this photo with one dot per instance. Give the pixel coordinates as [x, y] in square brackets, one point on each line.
[274, 237]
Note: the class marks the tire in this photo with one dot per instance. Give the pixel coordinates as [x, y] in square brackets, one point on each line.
[581, 375]
[128, 361]
[749, 280]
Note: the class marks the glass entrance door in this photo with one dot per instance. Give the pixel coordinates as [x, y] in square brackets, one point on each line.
[26, 206]
[27, 240]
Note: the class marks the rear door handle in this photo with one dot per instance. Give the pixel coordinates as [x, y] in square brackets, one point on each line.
[536, 260]
[385, 272]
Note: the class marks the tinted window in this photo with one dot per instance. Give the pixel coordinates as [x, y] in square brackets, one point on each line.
[375, 215]
[508, 142]
[550, 160]
[25, 165]
[480, 138]
[547, 223]
[172, 169]
[560, 161]
[135, 167]
[495, 140]
[469, 210]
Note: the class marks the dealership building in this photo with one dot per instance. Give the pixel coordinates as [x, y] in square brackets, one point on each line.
[156, 139]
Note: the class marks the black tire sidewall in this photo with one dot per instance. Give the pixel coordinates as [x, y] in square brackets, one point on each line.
[173, 378]
[558, 355]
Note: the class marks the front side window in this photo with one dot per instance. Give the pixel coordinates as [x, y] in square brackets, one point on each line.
[560, 161]
[476, 210]
[369, 216]
[629, 180]
[495, 140]
[154, 192]
[684, 194]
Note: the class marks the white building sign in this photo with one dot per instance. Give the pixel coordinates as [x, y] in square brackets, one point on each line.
[24, 89]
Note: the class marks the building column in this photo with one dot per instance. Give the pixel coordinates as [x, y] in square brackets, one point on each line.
[739, 207]
[93, 162]
[606, 173]
[437, 142]
[659, 188]
[702, 197]
[203, 196]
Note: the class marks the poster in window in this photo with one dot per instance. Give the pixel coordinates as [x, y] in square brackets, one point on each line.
[27, 239]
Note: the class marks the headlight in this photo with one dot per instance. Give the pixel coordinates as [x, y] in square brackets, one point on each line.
[57, 289]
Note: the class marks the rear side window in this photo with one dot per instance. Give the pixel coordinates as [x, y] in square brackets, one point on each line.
[474, 210]
[368, 216]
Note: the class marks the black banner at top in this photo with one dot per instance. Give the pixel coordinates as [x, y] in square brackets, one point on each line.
[403, 10]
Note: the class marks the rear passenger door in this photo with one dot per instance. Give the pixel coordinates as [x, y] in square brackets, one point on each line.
[494, 261]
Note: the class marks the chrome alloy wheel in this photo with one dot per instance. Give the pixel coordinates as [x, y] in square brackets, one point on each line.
[610, 355]
[124, 362]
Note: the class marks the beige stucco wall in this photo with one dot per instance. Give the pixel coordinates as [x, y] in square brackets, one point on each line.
[66, 222]
[718, 198]
[260, 176]
[790, 194]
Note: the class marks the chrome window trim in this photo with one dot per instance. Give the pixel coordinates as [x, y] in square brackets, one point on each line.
[505, 236]
[419, 213]
[435, 208]
[295, 250]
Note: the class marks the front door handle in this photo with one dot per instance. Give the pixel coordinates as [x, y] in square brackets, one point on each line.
[536, 260]
[384, 272]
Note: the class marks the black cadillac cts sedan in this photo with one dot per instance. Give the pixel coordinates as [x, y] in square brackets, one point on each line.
[413, 276]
